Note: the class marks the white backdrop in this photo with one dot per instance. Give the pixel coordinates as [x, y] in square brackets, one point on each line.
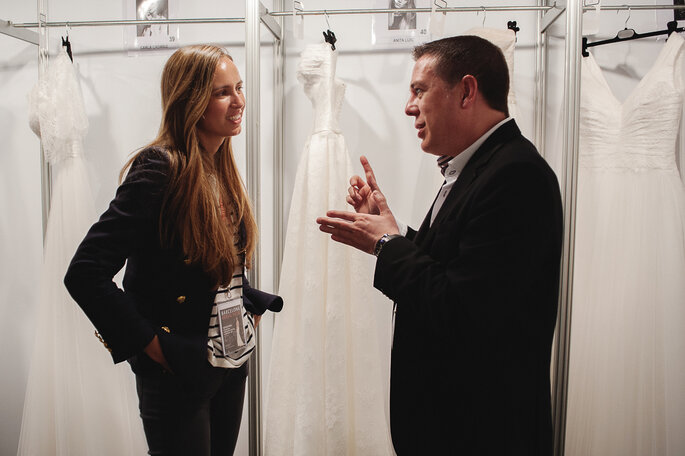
[121, 93]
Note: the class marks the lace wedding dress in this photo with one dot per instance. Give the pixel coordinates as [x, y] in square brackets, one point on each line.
[78, 403]
[626, 393]
[328, 383]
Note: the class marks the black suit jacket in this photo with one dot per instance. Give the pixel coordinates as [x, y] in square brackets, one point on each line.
[476, 299]
[162, 293]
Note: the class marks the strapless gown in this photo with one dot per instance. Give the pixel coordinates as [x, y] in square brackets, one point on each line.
[328, 383]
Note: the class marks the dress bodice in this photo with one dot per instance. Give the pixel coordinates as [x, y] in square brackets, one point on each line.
[316, 72]
[56, 110]
[639, 133]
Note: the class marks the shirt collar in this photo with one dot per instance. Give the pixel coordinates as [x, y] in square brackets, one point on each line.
[457, 164]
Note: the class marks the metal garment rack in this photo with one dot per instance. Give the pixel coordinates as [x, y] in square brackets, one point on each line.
[256, 14]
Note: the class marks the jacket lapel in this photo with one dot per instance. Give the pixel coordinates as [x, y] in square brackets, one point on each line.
[470, 173]
[423, 229]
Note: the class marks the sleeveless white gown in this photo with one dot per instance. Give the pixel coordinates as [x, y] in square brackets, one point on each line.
[626, 392]
[328, 381]
[78, 403]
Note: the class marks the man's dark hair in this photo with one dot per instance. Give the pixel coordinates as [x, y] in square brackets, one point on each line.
[458, 56]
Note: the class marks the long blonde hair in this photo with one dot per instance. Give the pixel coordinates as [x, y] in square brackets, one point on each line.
[190, 214]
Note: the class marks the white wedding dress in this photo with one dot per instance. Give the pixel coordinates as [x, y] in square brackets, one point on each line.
[78, 403]
[626, 393]
[328, 383]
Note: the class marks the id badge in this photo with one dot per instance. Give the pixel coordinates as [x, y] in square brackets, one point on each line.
[231, 325]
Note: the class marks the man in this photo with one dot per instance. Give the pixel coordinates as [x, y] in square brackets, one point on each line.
[476, 287]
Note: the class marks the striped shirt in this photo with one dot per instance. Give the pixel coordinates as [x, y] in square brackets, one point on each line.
[234, 293]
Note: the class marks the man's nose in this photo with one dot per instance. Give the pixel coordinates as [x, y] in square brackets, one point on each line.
[411, 109]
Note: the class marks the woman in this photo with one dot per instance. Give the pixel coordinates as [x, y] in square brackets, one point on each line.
[182, 222]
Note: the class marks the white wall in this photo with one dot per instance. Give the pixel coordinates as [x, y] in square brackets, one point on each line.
[122, 100]
[20, 225]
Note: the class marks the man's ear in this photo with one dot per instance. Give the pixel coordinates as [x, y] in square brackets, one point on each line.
[469, 86]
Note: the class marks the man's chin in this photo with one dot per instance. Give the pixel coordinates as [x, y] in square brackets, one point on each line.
[430, 151]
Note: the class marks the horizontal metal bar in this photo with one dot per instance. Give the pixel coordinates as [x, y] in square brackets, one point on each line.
[463, 9]
[452, 9]
[635, 7]
[6, 28]
[210, 20]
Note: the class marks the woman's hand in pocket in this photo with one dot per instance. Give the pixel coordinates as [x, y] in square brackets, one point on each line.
[154, 351]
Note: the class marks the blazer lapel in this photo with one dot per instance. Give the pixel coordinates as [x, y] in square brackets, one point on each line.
[473, 168]
[423, 229]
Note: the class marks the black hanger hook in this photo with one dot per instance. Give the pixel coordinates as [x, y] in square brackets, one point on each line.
[511, 25]
[330, 38]
[67, 44]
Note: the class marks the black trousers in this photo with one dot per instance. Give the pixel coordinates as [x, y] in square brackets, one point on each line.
[198, 419]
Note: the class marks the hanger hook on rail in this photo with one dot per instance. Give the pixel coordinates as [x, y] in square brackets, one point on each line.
[482, 8]
[625, 25]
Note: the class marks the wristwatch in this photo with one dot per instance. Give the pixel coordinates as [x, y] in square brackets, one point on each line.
[381, 242]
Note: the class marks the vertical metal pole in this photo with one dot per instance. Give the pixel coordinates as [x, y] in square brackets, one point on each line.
[680, 154]
[540, 83]
[278, 159]
[252, 56]
[45, 173]
[574, 18]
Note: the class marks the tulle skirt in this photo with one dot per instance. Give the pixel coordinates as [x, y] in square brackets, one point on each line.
[328, 384]
[627, 362]
[78, 403]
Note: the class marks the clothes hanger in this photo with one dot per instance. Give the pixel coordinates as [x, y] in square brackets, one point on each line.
[484, 14]
[66, 43]
[629, 34]
[511, 25]
[328, 35]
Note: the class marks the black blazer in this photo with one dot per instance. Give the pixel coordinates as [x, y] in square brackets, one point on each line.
[162, 293]
[476, 300]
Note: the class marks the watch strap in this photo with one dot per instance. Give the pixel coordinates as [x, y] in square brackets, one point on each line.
[381, 242]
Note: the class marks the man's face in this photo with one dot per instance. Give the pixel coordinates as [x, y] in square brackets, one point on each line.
[435, 107]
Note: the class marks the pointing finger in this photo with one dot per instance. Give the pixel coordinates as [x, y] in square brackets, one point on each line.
[370, 176]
